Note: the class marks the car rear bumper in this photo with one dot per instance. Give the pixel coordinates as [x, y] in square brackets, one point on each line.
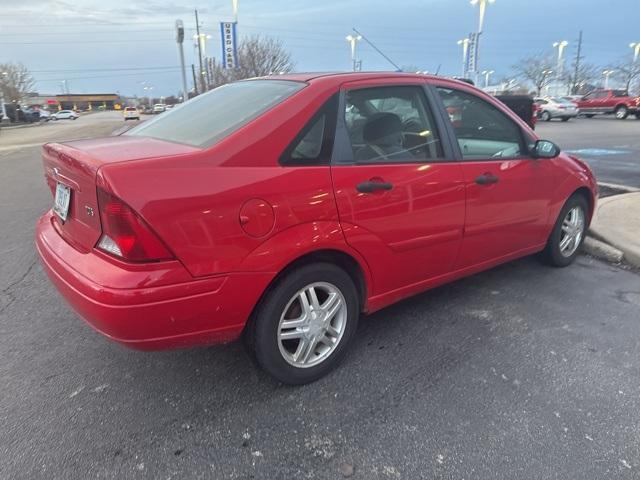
[138, 308]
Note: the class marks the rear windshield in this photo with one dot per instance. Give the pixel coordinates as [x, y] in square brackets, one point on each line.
[206, 119]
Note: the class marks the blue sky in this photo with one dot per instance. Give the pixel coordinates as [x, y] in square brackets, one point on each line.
[97, 45]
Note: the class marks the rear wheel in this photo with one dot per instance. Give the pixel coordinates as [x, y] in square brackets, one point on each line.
[568, 232]
[621, 112]
[565, 119]
[545, 116]
[589, 115]
[303, 326]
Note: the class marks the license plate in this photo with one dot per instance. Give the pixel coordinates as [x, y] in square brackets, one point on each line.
[61, 202]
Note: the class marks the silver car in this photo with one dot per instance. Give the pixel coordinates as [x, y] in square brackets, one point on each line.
[556, 107]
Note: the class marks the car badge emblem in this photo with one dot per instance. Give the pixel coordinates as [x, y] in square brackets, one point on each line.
[89, 210]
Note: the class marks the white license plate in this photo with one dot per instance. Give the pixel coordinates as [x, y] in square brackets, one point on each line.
[61, 202]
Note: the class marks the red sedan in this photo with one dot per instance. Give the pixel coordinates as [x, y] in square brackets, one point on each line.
[282, 208]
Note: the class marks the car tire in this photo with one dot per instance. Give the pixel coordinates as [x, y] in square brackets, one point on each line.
[572, 221]
[284, 302]
[638, 116]
[621, 112]
[545, 116]
[589, 115]
[565, 119]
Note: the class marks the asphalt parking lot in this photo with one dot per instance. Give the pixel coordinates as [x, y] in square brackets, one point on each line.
[523, 371]
[610, 146]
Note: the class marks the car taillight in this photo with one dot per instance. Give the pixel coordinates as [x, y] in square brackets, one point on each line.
[125, 234]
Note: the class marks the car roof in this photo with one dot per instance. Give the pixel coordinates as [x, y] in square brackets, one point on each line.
[342, 77]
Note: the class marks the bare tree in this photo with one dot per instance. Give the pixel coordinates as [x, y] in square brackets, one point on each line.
[535, 69]
[627, 71]
[257, 57]
[15, 81]
[581, 81]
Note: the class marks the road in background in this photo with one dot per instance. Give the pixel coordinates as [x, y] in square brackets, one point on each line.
[610, 146]
[524, 371]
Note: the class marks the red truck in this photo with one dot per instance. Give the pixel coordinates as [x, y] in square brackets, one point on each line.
[617, 102]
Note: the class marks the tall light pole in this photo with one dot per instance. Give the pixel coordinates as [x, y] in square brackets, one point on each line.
[487, 74]
[560, 46]
[353, 41]
[607, 74]
[465, 48]
[180, 41]
[483, 7]
[3, 110]
[636, 50]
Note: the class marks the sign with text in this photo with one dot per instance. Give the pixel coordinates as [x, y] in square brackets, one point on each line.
[229, 45]
[472, 52]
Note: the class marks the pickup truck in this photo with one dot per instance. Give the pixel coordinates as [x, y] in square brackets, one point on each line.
[617, 102]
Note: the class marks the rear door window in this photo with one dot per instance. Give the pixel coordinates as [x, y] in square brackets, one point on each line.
[391, 125]
[208, 118]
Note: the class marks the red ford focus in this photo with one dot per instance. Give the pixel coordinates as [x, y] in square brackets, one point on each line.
[282, 208]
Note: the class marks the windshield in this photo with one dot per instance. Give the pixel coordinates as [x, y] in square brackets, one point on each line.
[561, 100]
[208, 118]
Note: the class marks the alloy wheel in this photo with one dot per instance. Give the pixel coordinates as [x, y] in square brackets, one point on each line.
[572, 231]
[312, 324]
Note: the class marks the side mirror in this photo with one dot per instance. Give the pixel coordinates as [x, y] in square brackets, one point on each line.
[545, 149]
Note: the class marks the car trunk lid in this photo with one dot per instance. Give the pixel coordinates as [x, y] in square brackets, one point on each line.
[75, 165]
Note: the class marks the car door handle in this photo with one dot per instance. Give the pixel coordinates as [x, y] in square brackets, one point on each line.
[486, 179]
[370, 187]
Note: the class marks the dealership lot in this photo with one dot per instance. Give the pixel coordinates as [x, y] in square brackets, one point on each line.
[610, 146]
[520, 372]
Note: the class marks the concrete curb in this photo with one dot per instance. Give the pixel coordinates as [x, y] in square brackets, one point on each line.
[602, 250]
[615, 228]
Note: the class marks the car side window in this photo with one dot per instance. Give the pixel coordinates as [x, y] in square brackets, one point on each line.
[482, 130]
[391, 125]
[314, 143]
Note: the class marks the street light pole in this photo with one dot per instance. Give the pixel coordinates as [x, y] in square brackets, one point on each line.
[607, 74]
[636, 51]
[465, 47]
[560, 46]
[487, 74]
[353, 41]
[180, 41]
[482, 4]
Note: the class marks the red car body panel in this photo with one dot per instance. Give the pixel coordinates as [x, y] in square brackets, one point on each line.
[235, 218]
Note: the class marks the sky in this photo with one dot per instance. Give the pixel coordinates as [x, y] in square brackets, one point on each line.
[104, 46]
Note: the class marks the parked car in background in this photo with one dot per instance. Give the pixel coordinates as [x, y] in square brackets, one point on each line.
[45, 115]
[64, 115]
[131, 113]
[28, 114]
[617, 102]
[159, 108]
[316, 198]
[556, 107]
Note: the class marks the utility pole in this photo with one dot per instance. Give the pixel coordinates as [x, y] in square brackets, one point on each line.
[201, 76]
[576, 66]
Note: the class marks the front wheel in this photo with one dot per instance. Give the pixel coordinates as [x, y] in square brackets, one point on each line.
[568, 232]
[545, 117]
[621, 112]
[303, 326]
